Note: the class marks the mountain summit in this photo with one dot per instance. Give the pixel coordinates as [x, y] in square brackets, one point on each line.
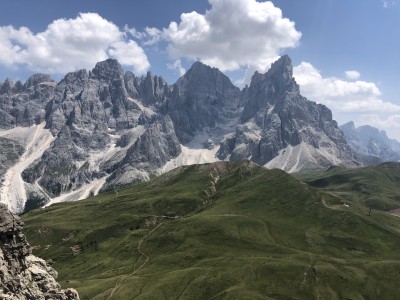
[106, 128]
[280, 128]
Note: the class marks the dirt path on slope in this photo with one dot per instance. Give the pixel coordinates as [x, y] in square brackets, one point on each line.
[135, 268]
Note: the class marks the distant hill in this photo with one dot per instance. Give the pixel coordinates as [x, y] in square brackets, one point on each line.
[230, 230]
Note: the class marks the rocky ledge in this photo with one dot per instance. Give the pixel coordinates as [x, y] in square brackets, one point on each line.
[23, 275]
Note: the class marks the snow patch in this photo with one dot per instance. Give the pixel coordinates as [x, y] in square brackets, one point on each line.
[36, 140]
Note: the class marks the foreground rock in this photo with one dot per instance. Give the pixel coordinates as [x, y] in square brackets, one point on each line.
[23, 275]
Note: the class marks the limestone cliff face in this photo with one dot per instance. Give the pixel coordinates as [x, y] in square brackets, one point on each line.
[112, 128]
[200, 99]
[23, 275]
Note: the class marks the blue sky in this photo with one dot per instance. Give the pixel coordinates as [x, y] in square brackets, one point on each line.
[325, 39]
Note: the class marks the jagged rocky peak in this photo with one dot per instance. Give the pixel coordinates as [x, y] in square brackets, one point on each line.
[18, 87]
[108, 70]
[23, 275]
[276, 117]
[349, 130]
[78, 77]
[349, 126]
[150, 89]
[280, 75]
[268, 89]
[7, 86]
[205, 79]
[202, 98]
[37, 79]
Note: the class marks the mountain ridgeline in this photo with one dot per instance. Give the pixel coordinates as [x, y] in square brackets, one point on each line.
[371, 144]
[107, 128]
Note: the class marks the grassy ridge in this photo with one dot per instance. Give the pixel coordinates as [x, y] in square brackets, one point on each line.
[222, 231]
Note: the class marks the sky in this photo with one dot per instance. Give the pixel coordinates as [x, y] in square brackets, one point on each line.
[344, 53]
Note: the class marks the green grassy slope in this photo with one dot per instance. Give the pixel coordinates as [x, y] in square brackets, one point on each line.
[221, 231]
[376, 188]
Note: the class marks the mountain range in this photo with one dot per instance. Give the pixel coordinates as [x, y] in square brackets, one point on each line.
[103, 129]
[372, 143]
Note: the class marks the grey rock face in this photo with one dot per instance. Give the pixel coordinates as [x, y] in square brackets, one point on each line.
[23, 275]
[268, 89]
[24, 105]
[276, 116]
[10, 151]
[57, 171]
[152, 90]
[370, 141]
[89, 112]
[157, 145]
[6, 87]
[203, 97]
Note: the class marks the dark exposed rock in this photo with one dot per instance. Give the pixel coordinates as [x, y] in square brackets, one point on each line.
[18, 87]
[202, 98]
[268, 89]
[6, 87]
[23, 275]
[108, 70]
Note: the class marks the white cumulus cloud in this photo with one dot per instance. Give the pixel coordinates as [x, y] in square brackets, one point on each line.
[70, 44]
[341, 95]
[232, 34]
[177, 65]
[389, 122]
[352, 75]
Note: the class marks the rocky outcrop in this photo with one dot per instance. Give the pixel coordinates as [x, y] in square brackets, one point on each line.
[371, 142]
[23, 275]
